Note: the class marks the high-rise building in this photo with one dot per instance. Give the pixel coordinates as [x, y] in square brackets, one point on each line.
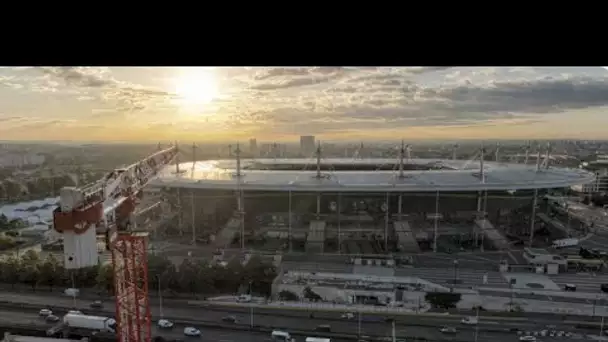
[307, 145]
[253, 147]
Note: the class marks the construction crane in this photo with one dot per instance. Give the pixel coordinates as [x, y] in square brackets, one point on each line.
[109, 203]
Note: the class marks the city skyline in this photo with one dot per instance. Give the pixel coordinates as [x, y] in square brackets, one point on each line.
[281, 104]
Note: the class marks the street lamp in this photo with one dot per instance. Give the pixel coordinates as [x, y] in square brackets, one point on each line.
[251, 308]
[455, 274]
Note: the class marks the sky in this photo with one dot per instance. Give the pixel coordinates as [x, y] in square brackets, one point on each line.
[280, 104]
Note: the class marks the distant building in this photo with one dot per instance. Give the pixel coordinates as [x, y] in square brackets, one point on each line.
[20, 160]
[253, 147]
[307, 145]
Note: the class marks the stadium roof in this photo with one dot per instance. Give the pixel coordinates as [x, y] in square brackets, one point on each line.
[342, 175]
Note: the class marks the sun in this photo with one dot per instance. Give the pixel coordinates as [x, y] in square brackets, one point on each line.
[196, 86]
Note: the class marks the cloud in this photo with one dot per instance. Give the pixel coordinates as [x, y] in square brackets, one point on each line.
[381, 98]
[320, 100]
[126, 97]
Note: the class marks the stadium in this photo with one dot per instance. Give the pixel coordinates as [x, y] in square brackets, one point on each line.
[358, 206]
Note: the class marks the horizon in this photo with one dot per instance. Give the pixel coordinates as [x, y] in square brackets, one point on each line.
[335, 104]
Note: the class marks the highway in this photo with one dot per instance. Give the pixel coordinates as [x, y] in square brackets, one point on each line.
[373, 329]
[406, 326]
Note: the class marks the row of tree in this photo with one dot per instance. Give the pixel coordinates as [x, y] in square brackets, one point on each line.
[191, 276]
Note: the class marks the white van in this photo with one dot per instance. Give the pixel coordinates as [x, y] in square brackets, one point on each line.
[281, 336]
[564, 243]
[72, 292]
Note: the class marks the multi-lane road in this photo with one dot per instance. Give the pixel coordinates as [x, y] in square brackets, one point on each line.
[421, 326]
[372, 329]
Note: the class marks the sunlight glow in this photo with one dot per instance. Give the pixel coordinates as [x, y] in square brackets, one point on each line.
[195, 86]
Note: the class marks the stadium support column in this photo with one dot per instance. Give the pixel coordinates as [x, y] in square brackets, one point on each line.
[401, 177]
[339, 208]
[289, 221]
[318, 176]
[436, 222]
[193, 213]
[386, 210]
[497, 152]
[533, 218]
[239, 194]
[526, 157]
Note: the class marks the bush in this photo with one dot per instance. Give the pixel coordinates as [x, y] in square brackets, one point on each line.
[443, 300]
[288, 296]
[312, 295]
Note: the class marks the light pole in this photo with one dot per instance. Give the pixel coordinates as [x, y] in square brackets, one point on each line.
[359, 322]
[476, 325]
[250, 309]
[455, 274]
[160, 298]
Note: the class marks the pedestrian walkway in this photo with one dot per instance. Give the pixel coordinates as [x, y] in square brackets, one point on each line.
[464, 277]
[585, 282]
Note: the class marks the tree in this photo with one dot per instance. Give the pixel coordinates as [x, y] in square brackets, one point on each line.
[10, 270]
[51, 272]
[261, 275]
[187, 276]
[157, 265]
[288, 296]
[30, 273]
[443, 300]
[105, 278]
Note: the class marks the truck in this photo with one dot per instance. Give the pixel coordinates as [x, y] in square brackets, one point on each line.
[97, 323]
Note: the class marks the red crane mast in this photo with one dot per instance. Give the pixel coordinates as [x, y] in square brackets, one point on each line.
[109, 204]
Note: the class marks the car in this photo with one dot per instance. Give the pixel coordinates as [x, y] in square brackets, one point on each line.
[348, 315]
[165, 324]
[570, 288]
[229, 319]
[96, 304]
[527, 338]
[323, 328]
[191, 331]
[75, 312]
[448, 330]
[469, 320]
[51, 318]
[45, 312]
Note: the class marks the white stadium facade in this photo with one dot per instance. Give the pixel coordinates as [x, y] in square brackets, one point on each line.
[360, 206]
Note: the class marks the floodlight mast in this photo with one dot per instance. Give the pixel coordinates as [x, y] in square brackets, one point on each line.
[401, 156]
[482, 155]
[548, 156]
[527, 153]
[318, 155]
[239, 199]
[496, 153]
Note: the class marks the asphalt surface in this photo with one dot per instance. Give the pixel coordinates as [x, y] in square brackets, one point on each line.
[406, 325]
[7, 317]
[243, 336]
